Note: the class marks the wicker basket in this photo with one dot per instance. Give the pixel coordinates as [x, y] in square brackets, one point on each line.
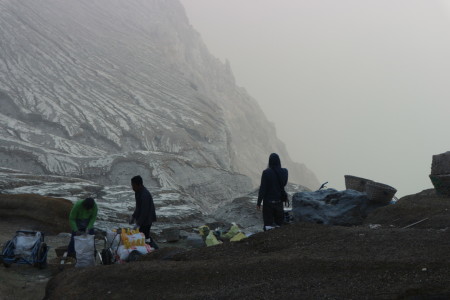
[441, 184]
[440, 164]
[379, 192]
[356, 183]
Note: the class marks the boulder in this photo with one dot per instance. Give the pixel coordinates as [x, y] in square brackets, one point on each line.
[47, 214]
[332, 207]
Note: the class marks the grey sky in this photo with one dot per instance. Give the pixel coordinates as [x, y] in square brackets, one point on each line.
[353, 87]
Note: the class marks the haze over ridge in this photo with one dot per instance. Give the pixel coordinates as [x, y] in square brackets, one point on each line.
[354, 87]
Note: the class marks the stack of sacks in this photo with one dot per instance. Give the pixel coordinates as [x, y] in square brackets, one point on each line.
[132, 240]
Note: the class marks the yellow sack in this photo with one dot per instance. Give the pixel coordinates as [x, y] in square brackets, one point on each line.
[238, 237]
[232, 232]
[211, 240]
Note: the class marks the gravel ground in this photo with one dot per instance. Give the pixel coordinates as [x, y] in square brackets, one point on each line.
[378, 260]
[24, 281]
[298, 261]
[301, 261]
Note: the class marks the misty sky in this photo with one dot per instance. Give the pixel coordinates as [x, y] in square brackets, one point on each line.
[353, 87]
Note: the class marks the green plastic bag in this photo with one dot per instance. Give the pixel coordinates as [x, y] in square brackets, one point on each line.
[238, 237]
[211, 240]
[232, 232]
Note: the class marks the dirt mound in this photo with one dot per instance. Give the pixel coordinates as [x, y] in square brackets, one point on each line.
[413, 208]
[47, 214]
[305, 261]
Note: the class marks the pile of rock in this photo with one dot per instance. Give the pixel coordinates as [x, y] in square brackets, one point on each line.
[440, 173]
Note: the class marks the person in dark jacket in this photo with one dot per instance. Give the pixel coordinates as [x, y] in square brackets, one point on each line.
[273, 179]
[144, 213]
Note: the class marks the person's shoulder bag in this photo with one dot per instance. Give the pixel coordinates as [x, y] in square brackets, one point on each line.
[284, 194]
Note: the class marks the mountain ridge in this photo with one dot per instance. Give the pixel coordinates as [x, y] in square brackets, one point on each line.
[90, 83]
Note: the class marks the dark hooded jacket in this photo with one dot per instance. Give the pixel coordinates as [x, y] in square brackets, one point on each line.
[144, 214]
[272, 179]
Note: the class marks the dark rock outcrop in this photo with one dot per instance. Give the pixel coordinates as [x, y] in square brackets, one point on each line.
[47, 214]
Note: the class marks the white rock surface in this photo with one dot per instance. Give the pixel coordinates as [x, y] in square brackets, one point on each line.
[105, 90]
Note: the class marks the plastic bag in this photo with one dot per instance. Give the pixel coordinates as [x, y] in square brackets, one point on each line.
[113, 238]
[238, 237]
[132, 238]
[123, 252]
[232, 232]
[25, 242]
[211, 240]
[84, 248]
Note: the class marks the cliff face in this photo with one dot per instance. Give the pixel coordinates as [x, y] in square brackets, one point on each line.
[107, 89]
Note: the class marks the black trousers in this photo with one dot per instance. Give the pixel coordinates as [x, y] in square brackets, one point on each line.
[145, 229]
[273, 214]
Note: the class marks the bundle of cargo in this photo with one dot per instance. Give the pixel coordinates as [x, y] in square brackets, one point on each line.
[356, 183]
[124, 245]
[440, 173]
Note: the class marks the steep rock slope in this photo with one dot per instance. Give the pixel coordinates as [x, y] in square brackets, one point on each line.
[107, 89]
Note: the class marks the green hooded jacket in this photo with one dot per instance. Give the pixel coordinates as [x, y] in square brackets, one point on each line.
[78, 212]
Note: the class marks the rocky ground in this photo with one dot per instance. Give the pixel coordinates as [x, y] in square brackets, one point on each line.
[31, 212]
[25, 281]
[378, 260]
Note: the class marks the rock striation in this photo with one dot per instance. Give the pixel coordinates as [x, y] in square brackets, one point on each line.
[107, 89]
[174, 208]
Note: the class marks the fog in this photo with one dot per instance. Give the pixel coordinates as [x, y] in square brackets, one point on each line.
[353, 87]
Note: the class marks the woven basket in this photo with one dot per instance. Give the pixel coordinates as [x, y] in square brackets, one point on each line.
[440, 164]
[379, 192]
[441, 184]
[356, 183]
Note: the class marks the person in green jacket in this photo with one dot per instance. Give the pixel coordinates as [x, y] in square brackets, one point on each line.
[82, 218]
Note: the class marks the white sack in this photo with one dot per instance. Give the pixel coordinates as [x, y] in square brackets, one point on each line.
[84, 248]
[123, 252]
[25, 242]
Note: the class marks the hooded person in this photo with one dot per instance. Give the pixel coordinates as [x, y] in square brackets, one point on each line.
[273, 181]
[144, 213]
[82, 218]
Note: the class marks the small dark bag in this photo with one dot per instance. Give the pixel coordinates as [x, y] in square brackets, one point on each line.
[284, 194]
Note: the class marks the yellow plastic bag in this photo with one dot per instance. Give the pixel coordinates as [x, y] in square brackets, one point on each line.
[211, 240]
[232, 232]
[238, 237]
